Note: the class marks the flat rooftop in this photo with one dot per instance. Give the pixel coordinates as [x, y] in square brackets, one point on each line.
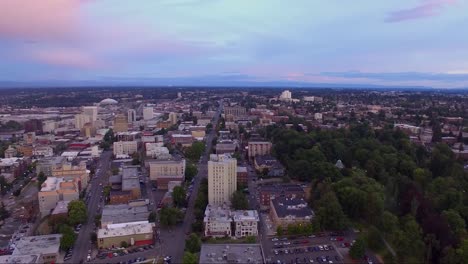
[126, 229]
[123, 213]
[19, 259]
[47, 244]
[231, 253]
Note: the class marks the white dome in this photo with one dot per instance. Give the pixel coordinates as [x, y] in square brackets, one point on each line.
[108, 101]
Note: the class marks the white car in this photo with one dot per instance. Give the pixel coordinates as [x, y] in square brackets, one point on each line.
[274, 239]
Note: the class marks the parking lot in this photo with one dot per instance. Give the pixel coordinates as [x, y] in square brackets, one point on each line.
[312, 249]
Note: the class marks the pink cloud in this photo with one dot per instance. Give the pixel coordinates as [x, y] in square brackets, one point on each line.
[427, 8]
[66, 57]
[39, 19]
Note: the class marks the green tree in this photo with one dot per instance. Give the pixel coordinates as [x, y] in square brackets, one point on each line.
[68, 237]
[124, 244]
[191, 171]
[195, 151]
[179, 196]
[77, 213]
[41, 178]
[279, 231]
[152, 217]
[189, 258]
[374, 239]
[3, 185]
[169, 216]
[330, 215]
[239, 201]
[358, 249]
[456, 222]
[193, 243]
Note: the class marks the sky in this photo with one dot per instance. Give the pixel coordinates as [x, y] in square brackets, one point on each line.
[229, 42]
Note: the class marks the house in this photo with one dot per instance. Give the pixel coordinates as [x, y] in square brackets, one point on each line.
[269, 164]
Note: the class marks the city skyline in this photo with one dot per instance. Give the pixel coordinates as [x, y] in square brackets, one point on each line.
[190, 42]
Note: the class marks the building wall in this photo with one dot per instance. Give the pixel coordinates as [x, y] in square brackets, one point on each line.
[47, 202]
[217, 229]
[139, 239]
[174, 169]
[246, 228]
[120, 124]
[222, 180]
[120, 198]
[259, 148]
[125, 147]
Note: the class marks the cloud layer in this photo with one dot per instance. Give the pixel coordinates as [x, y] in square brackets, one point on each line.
[427, 8]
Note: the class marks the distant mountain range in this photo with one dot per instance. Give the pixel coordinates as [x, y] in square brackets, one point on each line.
[202, 82]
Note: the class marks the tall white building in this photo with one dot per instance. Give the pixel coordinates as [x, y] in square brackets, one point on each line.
[173, 118]
[81, 120]
[222, 179]
[91, 111]
[148, 113]
[131, 115]
[285, 95]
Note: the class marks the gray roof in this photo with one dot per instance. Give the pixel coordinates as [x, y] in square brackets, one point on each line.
[281, 188]
[296, 207]
[123, 213]
[231, 253]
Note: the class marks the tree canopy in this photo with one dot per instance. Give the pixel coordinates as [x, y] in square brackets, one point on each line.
[77, 212]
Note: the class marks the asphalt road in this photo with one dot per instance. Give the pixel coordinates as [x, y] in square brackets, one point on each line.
[100, 179]
[173, 241]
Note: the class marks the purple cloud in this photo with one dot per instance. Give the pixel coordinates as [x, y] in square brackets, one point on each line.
[427, 8]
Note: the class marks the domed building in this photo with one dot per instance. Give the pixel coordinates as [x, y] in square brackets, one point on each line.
[108, 101]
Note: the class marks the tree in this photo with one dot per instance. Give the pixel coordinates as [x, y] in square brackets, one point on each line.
[374, 239]
[239, 201]
[189, 258]
[77, 213]
[193, 243]
[124, 244]
[41, 178]
[194, 152]
[68, 237]
[358, 249]
[456, 222]
[3, 185]
[191, 171]
[179, 196]
[169, 216]
[152, 217]
[330, 215]
[279, 231]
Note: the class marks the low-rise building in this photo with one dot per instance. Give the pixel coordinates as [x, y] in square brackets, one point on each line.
[125, 147]
[43, 151]
[231, 253]
[285, 211]
[123, 213]
[259, 148]
[133, 234]
[270, 165]
[21, 259]
[165, 171]
[242, 175]
[47, 247]
[270, 192]
[54, 190]
[185, 140]
[222, 222]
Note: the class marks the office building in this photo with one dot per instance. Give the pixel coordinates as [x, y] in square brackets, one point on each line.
[125, 147]
[54, 190]
[165, 171]
[47, 247]
[131, 115]
[68, 171]
[285, 95]
[120, 123]
[222, 179]
[285, 211]
[173, 118]
[236, 110]
[81, 120]
[91, 111]
[148, 113]
[123, 213]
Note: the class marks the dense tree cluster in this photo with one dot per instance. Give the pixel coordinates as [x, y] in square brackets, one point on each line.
[416, 197]
[195, 151]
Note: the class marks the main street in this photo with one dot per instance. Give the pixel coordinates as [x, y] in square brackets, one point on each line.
[173, 242]
[83, 242]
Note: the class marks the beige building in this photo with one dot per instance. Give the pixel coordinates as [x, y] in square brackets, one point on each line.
[173, 118]
[47, 247]
[236, 110]
[134, 234]
[285, 211]
[259, 148]
[91, 112]
[221, 222]
[66, 170]
[120, 123]
[81, 120]
[125, 147]
[148, 113]
[165, 171]
[54, 190]
[222, 179]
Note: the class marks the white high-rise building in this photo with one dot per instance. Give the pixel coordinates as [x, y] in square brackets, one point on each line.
[91, 111]
[148, 113]
[173, 118]
[81, 120]
[131, 115]
[222, 179]
[285, 95]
